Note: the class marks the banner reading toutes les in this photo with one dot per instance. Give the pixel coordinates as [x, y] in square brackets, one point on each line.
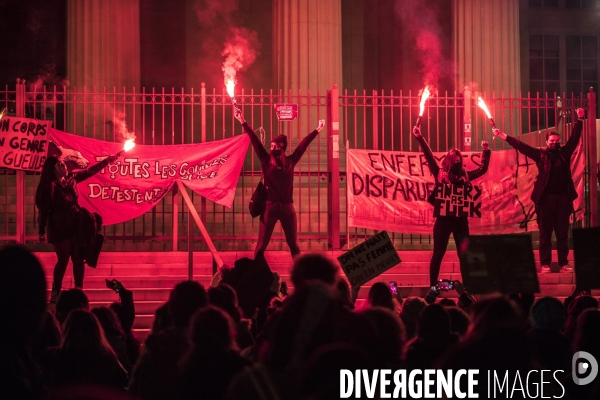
[134, 183]
[388, 190]
[23, 143]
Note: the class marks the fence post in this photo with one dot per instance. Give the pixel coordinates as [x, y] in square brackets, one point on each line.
[333, 166]
[593, 157]
[175, 210]
[203, 132]
[467, 120]
[20, 175]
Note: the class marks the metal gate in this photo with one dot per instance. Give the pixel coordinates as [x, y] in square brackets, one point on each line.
[376, 120]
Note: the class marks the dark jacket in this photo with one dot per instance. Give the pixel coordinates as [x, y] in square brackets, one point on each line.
[544, 161]
[435, 168]
[279, 182]
[60, 211]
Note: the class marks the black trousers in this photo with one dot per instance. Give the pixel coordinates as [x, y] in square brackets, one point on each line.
[442, 228]
[553, 214]
[284, 212]
[64, 250]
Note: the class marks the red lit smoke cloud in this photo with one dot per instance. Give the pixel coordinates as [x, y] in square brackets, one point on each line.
[118, 120]
[240, 51]
[239, 46]
[420, 21]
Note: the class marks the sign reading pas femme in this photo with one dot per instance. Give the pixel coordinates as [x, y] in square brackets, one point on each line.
[23, 143]
[369, 259]
[140, 178]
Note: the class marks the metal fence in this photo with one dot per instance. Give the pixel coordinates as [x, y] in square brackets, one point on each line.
[377, 120]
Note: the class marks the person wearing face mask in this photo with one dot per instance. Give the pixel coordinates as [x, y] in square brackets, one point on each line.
[278, 172]
[452, 171]
[56, 198]
[553, 191]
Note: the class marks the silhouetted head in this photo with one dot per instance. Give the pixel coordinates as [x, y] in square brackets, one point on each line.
[22, 295]
[69, 300]
[548, 313]
[212, 329]
[185, 299]
[109, 321]
[314, 267]
[84, 335]
[380, 295]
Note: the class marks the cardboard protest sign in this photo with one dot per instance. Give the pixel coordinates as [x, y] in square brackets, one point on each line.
[457, 201]
[499, 263]
[23, 143]
[369, 259]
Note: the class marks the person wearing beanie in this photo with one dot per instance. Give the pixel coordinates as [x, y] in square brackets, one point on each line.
[278, 175]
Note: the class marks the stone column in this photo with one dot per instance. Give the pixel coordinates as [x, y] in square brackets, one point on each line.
[307, 55]
[307, 45]
[103, 52]
[487, 45]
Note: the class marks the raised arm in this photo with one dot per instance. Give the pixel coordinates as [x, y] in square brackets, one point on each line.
[573, 141]
[485, 162]
[529, 151]
[303, 145]
[431, 162]
[93, 170]
[260, 151]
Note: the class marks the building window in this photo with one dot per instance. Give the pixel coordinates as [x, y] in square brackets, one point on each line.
[582, 64]
[580, 3]
[544, 65]
[543, 3]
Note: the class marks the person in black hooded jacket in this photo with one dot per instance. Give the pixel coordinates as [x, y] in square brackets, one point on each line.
[553, 190]
[278, 173]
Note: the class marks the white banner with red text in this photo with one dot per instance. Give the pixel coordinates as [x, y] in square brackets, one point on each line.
[388, 190]
[140, 178]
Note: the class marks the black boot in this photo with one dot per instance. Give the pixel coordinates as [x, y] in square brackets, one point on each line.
[55, 293]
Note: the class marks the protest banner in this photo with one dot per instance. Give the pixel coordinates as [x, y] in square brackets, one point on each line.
[369, 259]
[388, 190]
[138, 180]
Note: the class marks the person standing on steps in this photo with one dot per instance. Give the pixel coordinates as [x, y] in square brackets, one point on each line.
[278, 173]
[67, 223]
[553, 190]
[452, 171]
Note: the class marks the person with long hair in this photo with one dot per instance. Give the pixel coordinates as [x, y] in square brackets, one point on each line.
[85, 356]
[278, 173]
[452, 171]
[59, 212]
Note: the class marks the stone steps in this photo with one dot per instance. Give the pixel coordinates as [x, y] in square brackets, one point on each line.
[152, 275]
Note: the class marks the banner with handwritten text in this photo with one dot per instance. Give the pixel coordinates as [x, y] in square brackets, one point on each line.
[388, 190]
[138, 180]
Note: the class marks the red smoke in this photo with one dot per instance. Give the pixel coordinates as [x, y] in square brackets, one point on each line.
[240, 51]
[431, 57]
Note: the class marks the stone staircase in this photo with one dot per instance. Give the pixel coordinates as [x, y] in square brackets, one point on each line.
[152, 275]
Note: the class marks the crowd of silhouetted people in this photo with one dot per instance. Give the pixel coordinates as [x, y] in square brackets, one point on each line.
[241, 338]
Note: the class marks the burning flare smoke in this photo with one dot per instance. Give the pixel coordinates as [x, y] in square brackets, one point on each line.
[482, 105]
[424, 96]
